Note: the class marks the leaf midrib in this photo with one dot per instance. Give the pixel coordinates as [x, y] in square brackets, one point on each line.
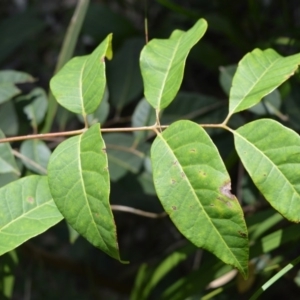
[26, 213]
[85, 193]
[267, 158]
[168, 70]
[199, 203]
[254, 84]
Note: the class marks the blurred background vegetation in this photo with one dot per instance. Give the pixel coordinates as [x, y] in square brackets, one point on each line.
[31, 36]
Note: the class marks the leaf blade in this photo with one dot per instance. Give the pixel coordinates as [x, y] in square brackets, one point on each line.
[162, 64]
[31, 212]
[7, 161]
[270, 153]
[79, 86]
[79, 183]
[193, 185]
[258, 74]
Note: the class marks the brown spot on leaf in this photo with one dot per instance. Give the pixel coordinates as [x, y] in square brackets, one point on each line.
[226, 190]
[182, 174]
[173, 181]
[30, 199]
[175, 163]
[174, 207]
[104, 150]
[193, 150]
[242, 234]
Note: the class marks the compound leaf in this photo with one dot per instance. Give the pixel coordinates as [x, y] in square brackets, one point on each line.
[270, 154]
[79, 184]
[193, 185]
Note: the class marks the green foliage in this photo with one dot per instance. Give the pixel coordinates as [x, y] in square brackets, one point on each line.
[80, 85]
[270, 153]
[70, 169]
[186, 170]
[27, 209]
[254, 77]
[162, 64]
[194, 187]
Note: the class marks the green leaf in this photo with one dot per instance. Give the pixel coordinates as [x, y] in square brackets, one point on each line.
[164, 267]
[143, 115]
[193, 106]
[7, 178]
[37, 109]
[269, 105]
[226, 76]
[122, 156]
[7, 160]
[270, 153]
[193, 185]
[79, 86]
[123, 74]
[8, 265]
[8, 79]
[35, 155]
[65, 54]
[79, 184]
[100, 114]
[26, 210]
[162, 64]
[8, 119]
[276, 277]
[258, 74]
[73, 234]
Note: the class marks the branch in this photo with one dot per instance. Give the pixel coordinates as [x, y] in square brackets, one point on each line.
[29, 161]
[138, 211]
[45, 136]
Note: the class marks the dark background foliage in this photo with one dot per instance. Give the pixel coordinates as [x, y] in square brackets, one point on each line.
[31, 34]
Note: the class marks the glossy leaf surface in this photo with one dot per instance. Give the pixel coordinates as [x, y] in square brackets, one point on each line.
[270, 153]
[258, 74]
[162, 64]
[79, 184]
[26, 210]
[79, 86]
[193, 185]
